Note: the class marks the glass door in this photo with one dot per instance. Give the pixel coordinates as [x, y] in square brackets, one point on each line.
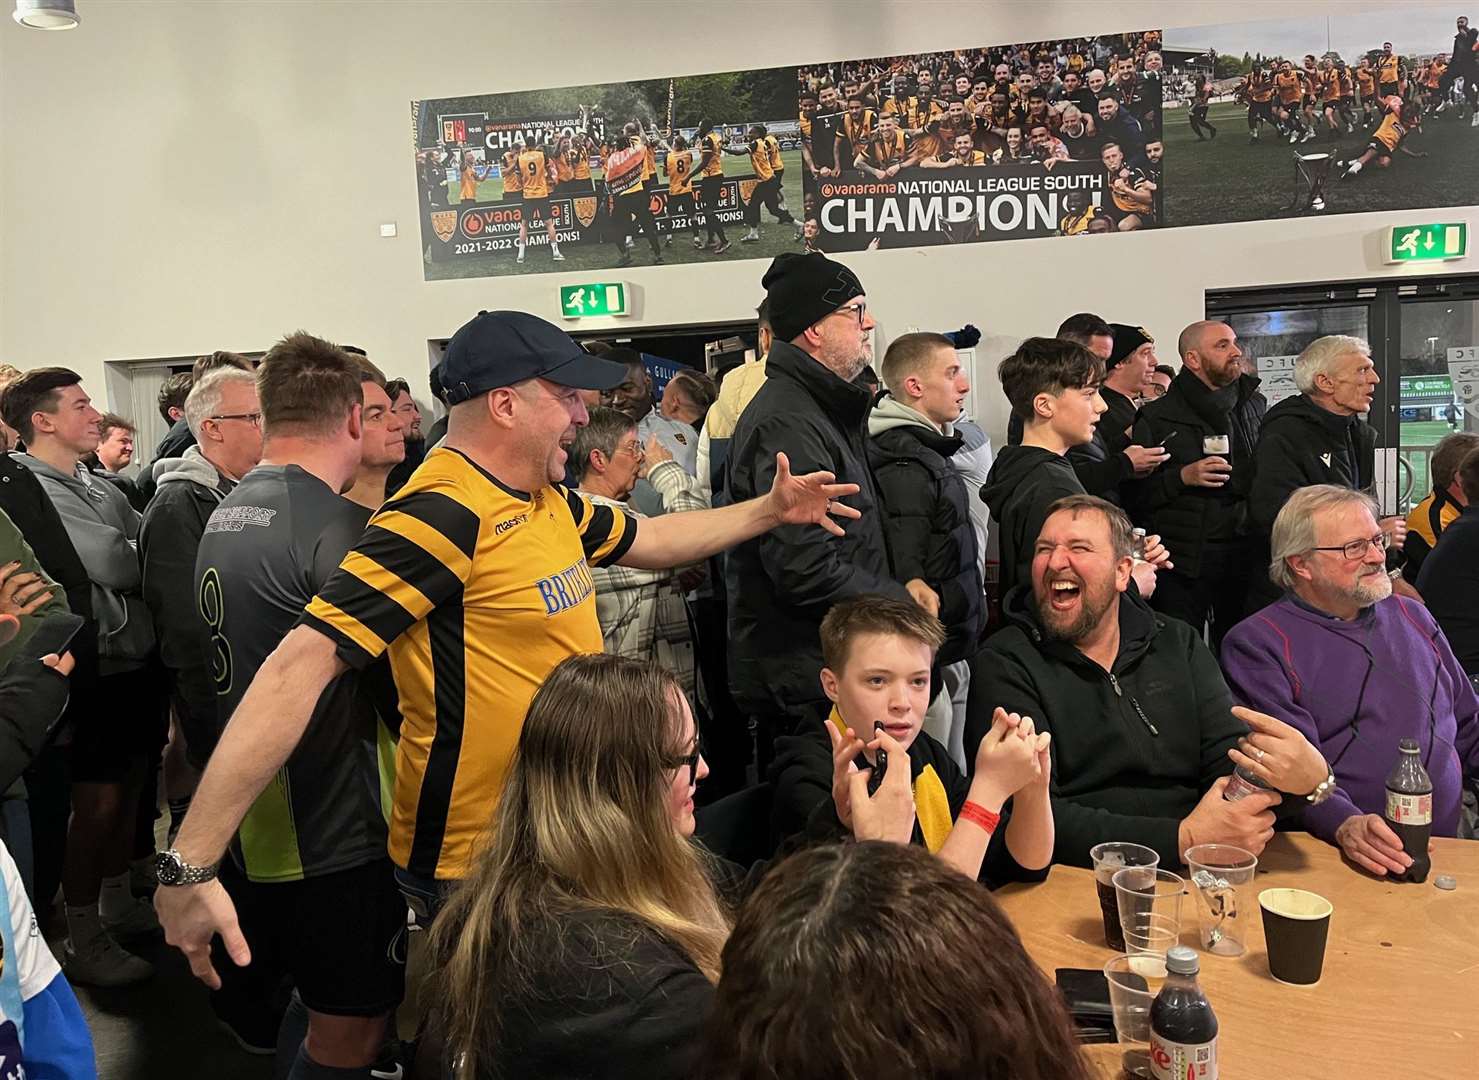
[1424, 337]
[1440, 379]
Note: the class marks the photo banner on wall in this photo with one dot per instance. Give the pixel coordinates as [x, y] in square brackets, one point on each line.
[1075, 137]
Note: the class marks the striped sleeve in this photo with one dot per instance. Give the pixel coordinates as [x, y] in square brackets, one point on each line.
[606, 533]
[415, 556]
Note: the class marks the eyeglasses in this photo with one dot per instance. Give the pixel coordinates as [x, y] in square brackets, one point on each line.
[253, 418]
[860, 310]
[691, 760]
[633, 448]
[1356, 549]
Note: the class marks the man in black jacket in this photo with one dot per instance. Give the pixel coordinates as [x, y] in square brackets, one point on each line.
[1141, 718]
[225, 419]
[1111, 458]
[1316, 438]
[926, 507]
[1208, 422]
[781, 584]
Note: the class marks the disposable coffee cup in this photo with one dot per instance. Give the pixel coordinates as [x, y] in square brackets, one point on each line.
[1216, 444]
[1295, 926]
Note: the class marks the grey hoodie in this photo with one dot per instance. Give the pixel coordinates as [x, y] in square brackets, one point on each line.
[104, 529]
[190, 467]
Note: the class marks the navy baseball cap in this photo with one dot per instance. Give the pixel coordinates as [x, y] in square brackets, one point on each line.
[501, 348]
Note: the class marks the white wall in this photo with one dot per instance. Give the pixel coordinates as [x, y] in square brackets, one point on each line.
[180, 177]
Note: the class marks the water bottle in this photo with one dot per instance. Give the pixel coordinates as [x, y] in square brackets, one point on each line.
[1183, 1028]
[1410, 809]
[1137, 544]
[1241, 784]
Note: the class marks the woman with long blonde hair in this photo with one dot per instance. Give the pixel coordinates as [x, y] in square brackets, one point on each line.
[587, 939]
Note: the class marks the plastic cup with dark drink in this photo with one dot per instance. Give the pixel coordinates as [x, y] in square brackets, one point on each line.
[1295, 926]
[1108, 859]
[1183, 1027]
[1410, 810]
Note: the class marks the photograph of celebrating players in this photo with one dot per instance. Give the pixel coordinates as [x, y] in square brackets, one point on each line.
[1351, 113]
[676, 170]
[1031, 106]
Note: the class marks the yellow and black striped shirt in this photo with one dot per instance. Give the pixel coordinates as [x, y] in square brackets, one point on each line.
[477, 591]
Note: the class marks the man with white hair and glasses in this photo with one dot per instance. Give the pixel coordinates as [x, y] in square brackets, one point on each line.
[1356, 670]
[1318, 437]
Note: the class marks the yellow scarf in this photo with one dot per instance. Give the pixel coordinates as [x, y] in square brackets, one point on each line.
[931, 805]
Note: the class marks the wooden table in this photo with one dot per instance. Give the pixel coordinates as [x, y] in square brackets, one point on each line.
[1398, 998]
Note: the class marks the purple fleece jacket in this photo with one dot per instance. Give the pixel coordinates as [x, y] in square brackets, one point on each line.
[1355, 689]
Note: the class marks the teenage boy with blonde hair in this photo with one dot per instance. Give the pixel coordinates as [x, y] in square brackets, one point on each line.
[877, 653]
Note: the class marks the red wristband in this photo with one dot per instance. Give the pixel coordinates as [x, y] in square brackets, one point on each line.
[978, 814]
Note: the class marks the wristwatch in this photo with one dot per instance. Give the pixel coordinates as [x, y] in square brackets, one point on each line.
[1322, 790]
[170, 869]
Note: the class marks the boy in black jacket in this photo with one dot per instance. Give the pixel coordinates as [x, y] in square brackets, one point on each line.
[878, 654]
[1144, 734]
[1053, 386]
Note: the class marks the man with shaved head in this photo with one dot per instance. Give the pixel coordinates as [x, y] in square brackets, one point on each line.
[1208, 422]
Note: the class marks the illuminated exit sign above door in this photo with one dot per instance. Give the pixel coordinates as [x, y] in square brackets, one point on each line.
[1423, 243]
[601, 299]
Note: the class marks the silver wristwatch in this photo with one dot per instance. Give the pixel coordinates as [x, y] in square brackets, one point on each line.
[1322, 791]
[170, 869]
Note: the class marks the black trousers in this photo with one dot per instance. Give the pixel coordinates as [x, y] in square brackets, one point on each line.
[768, 194]
[625, 208]
[1217, 596]
[709, 190]
[1471, 83]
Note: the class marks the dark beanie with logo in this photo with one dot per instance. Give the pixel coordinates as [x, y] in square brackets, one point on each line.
[1126, 340]
[801, 290]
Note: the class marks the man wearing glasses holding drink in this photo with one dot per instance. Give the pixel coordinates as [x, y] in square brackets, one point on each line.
[1357, 670]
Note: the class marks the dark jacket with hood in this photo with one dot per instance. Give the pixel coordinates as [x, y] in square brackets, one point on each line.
[1101, 463]
[188, 490]
[176, 441]
[1301, 444]
[1024, 481]
[1135, 748]
[1188, 517]
[781, 584]
[927, 518]
[803, 810]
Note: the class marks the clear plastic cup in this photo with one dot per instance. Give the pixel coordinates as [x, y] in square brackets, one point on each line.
[1108, 859]
[1150, 908]
[1134, 980]
[1222, 881]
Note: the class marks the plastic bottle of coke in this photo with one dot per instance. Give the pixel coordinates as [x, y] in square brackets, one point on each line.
[1410, 809]
[1183, 1028]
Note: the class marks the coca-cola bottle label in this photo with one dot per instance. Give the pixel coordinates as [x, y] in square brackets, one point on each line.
[1409, 809]
[1182, 1061]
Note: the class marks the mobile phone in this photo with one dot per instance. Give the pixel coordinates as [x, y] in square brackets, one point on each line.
[54, 635]
[1167, 439]
[1085, 994]
[881, 765]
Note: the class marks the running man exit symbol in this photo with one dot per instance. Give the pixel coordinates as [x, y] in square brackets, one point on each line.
[1420, 243]
[598, 299]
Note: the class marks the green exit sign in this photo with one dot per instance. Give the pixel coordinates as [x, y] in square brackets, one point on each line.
[600, 299]
[1420, 243]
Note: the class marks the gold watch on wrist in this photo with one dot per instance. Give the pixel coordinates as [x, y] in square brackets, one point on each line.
[1322, 790]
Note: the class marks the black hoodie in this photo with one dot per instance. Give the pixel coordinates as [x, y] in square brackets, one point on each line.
[1024, 481]
[1133, 749]
[1301, 444]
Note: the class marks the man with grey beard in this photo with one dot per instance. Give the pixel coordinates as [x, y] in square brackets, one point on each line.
[814, 410]
[1144, 733]
[1357, 670]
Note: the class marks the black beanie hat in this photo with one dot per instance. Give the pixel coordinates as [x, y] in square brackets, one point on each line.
[1126, 340]
[803, 289]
